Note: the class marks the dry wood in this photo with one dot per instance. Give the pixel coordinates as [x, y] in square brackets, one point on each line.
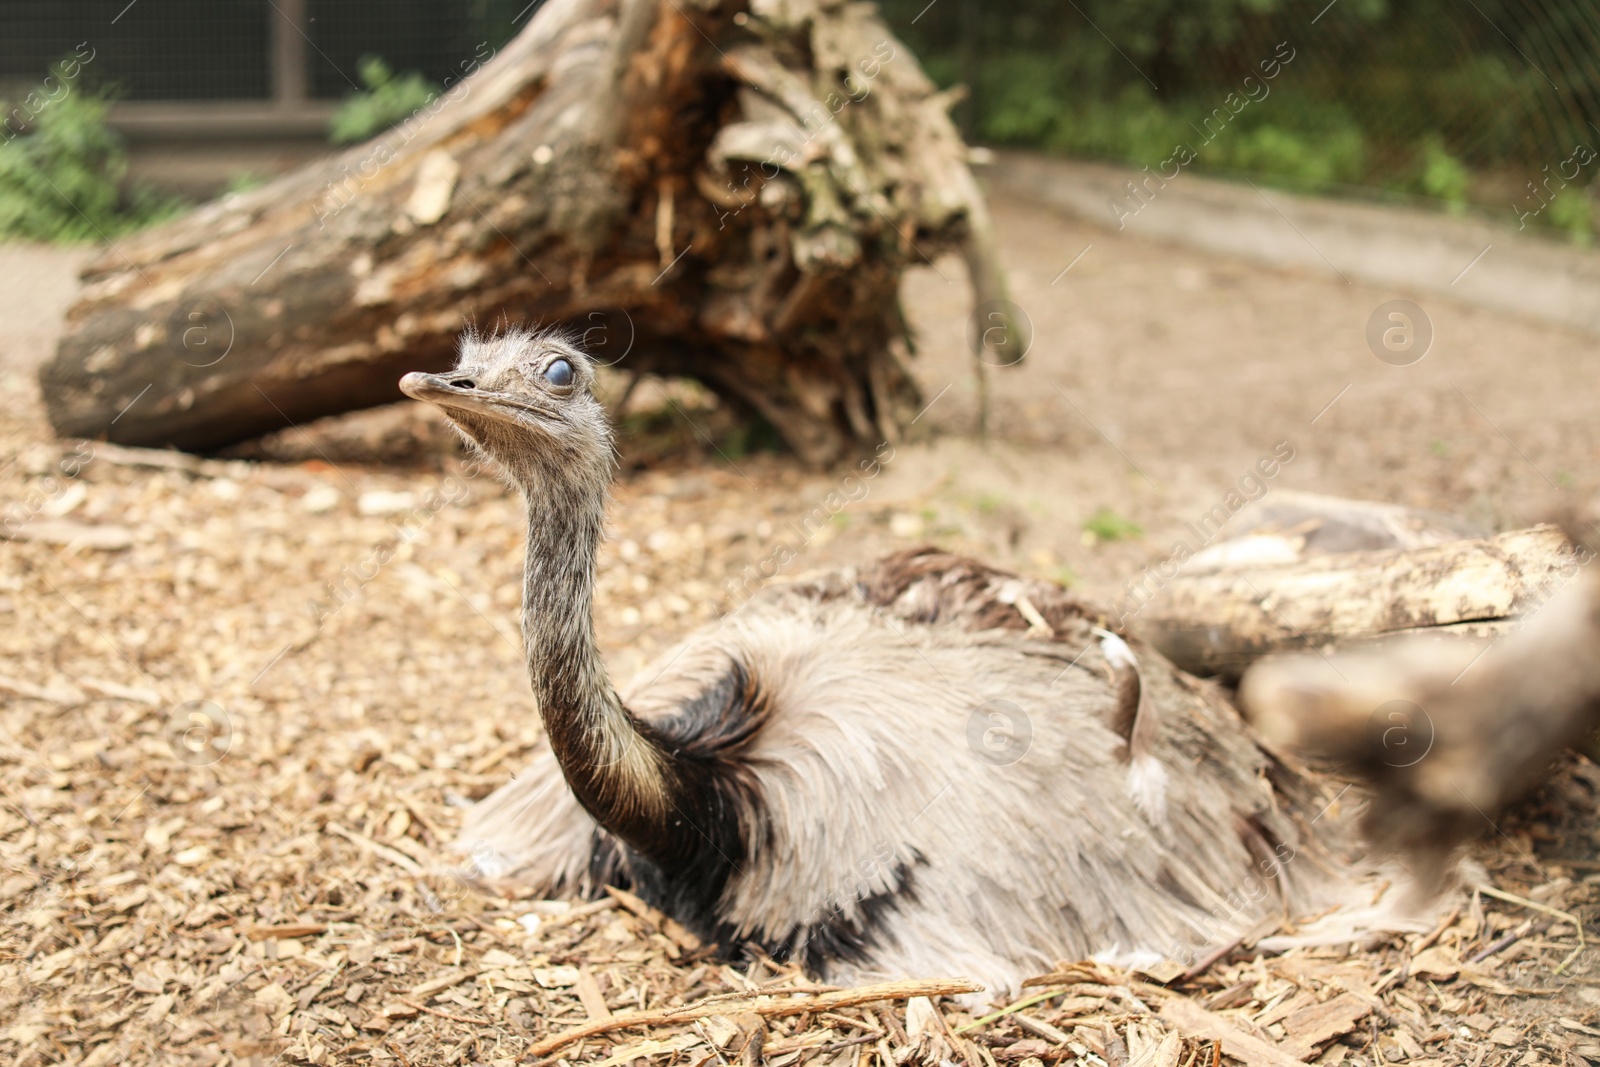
[262, 933]
[444, 981]
[1190, 1019]
[1219, 622]
[444, 1014]
[1315, 1023]
[1447, 736]
[791, 1005]
[394, 856]
[723, 189]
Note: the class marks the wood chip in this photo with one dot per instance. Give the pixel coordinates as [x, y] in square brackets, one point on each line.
[763, 1006]
[1438, 963]
[1310, 1026]
[445, 981]
[263, 933]
[594, 1002]
[1190, 1019]
[72, 534]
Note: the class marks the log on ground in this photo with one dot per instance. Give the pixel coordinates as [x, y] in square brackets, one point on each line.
[1220, 621]
[725, 190]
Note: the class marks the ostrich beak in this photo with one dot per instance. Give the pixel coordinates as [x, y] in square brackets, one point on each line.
[457, 394]
[452, 394]
[433, 388]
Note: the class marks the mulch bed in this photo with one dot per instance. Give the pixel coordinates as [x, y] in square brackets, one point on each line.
[229, 787]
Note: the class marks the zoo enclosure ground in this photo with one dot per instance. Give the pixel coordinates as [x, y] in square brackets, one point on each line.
[1156, 379]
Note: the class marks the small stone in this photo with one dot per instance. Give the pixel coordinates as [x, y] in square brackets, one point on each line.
[320, 499]
[556, 977]
[905, 524]
[381, 502]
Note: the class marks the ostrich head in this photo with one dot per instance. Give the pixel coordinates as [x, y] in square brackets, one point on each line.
[526, 398]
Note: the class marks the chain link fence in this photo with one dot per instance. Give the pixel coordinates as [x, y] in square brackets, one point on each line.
[205, 50]
[1485, 105]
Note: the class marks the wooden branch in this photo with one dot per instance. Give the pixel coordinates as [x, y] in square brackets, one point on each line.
[1219, 622]
[769, 1005]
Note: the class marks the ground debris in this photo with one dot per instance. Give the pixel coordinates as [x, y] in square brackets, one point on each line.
[235, 750]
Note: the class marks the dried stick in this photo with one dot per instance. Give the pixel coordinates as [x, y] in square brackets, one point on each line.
[844, 998]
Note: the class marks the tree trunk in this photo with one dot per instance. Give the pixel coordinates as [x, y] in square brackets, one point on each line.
[1219, 622]
[702, 187]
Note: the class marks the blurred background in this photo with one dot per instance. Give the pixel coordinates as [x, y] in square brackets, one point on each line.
[1459, 106]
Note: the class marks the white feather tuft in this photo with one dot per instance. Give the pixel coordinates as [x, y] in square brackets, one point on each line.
[1147, 785]
[1115, 649]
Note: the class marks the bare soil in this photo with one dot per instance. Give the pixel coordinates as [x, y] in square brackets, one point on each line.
[234, 746]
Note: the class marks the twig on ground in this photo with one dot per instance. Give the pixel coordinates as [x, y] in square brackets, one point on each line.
[444, 1014]
[845, 998]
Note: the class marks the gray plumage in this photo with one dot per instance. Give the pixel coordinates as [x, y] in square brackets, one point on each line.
[920, 766]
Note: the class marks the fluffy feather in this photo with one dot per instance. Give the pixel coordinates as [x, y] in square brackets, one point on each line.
[921, 766]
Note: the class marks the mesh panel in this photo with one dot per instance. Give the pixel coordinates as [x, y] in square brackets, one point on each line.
[429, 36]
[150, 50]
[1505, 87]
[216, 50]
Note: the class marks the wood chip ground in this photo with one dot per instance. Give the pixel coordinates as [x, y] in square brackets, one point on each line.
[234, 749]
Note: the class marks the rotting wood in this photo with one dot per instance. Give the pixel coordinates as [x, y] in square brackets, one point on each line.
[722, 189]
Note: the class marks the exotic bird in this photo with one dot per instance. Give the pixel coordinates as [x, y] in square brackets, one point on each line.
[919, 766]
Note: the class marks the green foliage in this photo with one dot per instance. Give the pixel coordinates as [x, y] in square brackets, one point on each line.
[245, 180]
[1572, 210]
[1444, 177]
[1107, 525]
[388, 100]
[750, 435]
[1414, 99]
[63, 180]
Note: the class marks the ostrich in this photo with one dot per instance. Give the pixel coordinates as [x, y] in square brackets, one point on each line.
[922, 765]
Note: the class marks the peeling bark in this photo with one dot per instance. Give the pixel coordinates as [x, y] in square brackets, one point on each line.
[709, 188]
[1220, 622]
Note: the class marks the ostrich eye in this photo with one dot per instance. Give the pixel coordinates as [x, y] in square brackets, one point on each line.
[559, 373]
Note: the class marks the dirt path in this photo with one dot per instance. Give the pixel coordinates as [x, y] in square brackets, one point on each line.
[1158, 376]
[375, 698]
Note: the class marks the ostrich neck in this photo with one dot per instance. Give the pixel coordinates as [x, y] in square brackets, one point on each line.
[617, 771]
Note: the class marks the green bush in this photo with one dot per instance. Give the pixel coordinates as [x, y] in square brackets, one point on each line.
[1107, 525]
[63, 179]
[1572, 210]
[1444, 177]
[1406, 98]
[388, 100]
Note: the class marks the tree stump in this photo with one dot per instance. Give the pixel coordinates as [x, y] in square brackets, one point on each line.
[715, 188]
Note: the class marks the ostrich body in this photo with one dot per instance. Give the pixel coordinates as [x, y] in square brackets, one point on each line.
[920, 766]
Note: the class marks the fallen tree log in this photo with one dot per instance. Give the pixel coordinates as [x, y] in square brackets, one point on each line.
[1446, 734]
[1218, 622]
[725, 190]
